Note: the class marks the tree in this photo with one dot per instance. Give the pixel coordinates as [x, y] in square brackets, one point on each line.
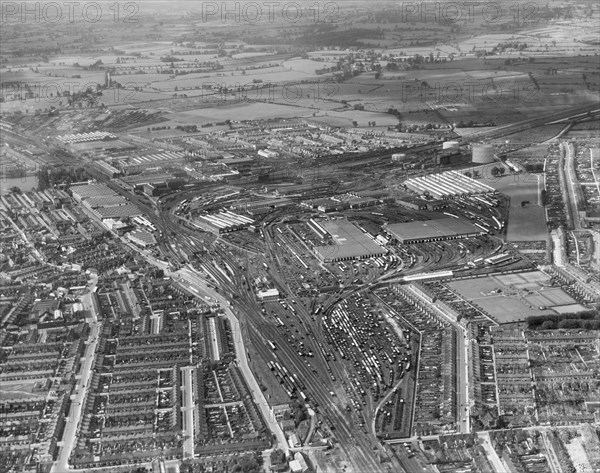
[548, 325]
[248, 464]
[568, 324]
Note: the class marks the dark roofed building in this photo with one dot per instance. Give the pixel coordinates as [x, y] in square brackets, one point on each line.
[432, 230]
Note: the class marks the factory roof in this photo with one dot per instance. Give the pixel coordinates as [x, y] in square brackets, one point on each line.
[268, 293]
[350, 241]
[105, 201]
[440, 228]
[143, 236]
[447, 184]
[91, 190]
[128, 210]
[226, 219]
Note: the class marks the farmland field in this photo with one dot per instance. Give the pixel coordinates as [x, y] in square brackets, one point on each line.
[256, 111]
[242, 111]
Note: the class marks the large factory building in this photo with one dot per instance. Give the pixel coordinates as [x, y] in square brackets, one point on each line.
[223, 222]
[349, 242]
[447, 185]
[432, 230]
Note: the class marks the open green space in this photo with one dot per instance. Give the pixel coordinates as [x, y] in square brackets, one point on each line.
[20, 389]
[526, 217]
[511, 298]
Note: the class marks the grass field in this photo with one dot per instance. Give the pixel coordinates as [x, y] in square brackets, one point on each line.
[18, 390]
[241, 111]
[528, 280]
[514, 302]
[257, 111]
[570, 309]
[526, 223]
[550, 297]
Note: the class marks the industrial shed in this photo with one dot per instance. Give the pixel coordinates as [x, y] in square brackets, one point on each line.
[432, 230]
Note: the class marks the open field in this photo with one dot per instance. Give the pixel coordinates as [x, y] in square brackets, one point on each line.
[531, 153]
[18, 390]
[242, 111]
[550, 297]
[257, 111]
[570, 309]
[531, 280]
[514, 297]
[528, 222]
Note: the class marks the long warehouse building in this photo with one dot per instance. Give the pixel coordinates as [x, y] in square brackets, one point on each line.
[432, 230]
[349, 242]
[223, 222]
[447, 185]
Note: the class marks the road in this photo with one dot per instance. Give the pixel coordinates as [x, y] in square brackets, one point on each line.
[491, 454]
[593, 152]
[24, 238]
[462, 367]
[75, 414]
[70, 432]
[572, 181]
[311, 430]
[195, 281]
[558, 248]
[571, 184]
[595, 235]
[553, 461]
[188, 411]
